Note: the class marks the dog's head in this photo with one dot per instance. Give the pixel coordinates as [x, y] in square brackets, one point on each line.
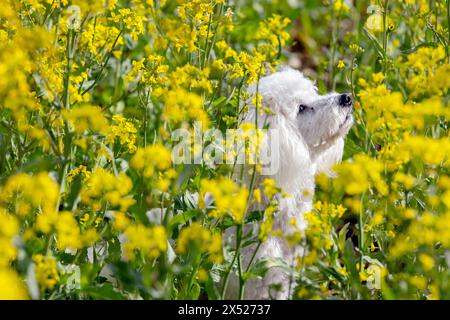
[317, 122]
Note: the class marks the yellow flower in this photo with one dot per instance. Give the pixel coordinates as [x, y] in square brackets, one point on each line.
[266, 225]
[426, 261]
[124, 131]
[228, 196]
[103, 185]
[419, 282]
[121, 221]
[9, 227]
[377, 218]
[68, 232]
[272, 30]
[155, 162]
[86, 118]
[131, 21]
[203, 239]
[181, 106]
[11, 286]
[425, 74]
[80, 170]
[343, 271]
[150, 241]
[29, 193]
[340, 6]
[257, 195]
[270, 190]
[360, 175]
[46, 272]
[202, 275]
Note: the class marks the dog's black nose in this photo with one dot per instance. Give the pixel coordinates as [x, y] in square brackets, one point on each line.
[345, 100]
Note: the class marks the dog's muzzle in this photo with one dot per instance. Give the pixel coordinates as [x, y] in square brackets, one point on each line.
[345, 100]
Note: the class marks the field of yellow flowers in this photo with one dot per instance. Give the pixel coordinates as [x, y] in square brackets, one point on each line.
[92, 207]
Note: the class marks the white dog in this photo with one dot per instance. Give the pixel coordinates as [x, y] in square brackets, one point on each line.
[311, 131]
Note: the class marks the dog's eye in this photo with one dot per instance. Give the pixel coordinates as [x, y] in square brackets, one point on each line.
[302, 108]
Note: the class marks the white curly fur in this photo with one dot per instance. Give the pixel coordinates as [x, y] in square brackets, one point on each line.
[311, 141]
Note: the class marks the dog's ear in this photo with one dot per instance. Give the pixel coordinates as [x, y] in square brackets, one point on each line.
[329, 157]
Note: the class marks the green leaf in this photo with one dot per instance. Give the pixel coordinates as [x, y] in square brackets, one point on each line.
[219, 101]
[342, 236]
[114, 251]
[211, 289]
[254, 216]
[260, 268]
[331, 272]
[194, 293]
[375, 43]
[104, 292]
[182, 218]
[128, 276]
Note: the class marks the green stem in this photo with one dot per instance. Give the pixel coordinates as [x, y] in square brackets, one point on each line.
[192, 277]
[103, 65]
[241, 280]
[236, 254]
[242, 285]
[213, 40]
[253, 256]
[66, 101]
[361, 235]
[385, 37]
[49, 243]
[206, 42]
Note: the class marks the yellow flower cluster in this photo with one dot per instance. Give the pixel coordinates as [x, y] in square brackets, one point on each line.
[321, 222]
[46, 271]
[251, 138]
[98, 35]
[150, 70]
[242, 64]
[181, 105]
[429, 151]
[424, 231]
[155, 161]
[196, 236]
[229, 198]
[266, 226]
[18, 60]
[11, 286]
[131, 21]
[149, 241]
[191, 25]
[23, 194]
[426, 74]
[358, 176]
[9, 227]
[103, 186]
[191, 77]
[340, 7]
[270, 188]
[86, 118]
[273, 31]
[80, 170]
[124, 131]
[68, 233]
